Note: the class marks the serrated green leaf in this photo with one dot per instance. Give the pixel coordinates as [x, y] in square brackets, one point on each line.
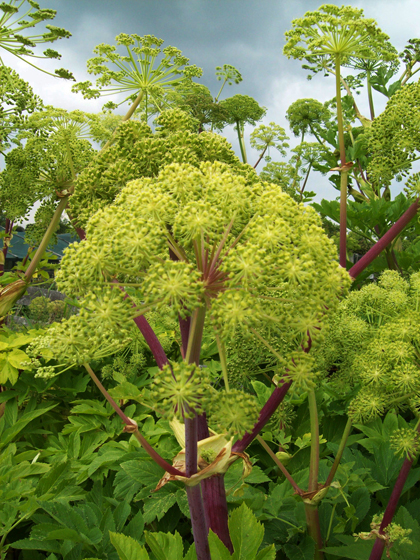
[305, 550]
[126, 391]
[7, 371]
[267, 553]
[218, 550]
[165, 546]
[121, 513]
[22, 422]
[246, 533]
[128, 548]
[157, 505]
[145, 471]
[16, 357]
[67, 534]
[135, 527]
[359, 550]
[37, 544]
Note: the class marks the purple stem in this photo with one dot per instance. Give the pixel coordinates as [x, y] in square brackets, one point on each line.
[149, 336]
[184, 327]
[385, 240]
[195, 502]
[152, 340]
[391, 508]
[198, 522]
[214, 496]
[266, 413]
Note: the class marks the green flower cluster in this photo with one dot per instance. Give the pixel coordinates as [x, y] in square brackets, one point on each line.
[180, 390]
[394, 137]
[137, 152]
[373, 342]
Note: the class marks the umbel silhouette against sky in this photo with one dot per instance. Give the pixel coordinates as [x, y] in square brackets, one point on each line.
[247, 34]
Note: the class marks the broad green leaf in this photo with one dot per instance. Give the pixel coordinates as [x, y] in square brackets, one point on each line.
[110, 457]
[22, 422]
[16, 357]
[267, 553]
[359, 550]
[246, 533]
[37, 544]
[7, 371]
[126, 391]
[305, 551]
[145, 471]
[128, 548]
[156, 506]
[360, 499]
[67, 534]
[191, 554]
[218, 550]
[121, 513]
[165, 546]
[135, 527]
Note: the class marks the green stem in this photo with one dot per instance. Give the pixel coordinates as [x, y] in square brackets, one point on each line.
[127, 117]
[47, 237]
[314, 529]
[280, 465]
[195, 336]
[223, 361]
[344, 173]
[370, 96]
[340, 452]
[241, 142]
[131, 426]
[314, 461]
[73, 172]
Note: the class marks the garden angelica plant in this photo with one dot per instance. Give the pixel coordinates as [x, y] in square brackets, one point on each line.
[220, 248]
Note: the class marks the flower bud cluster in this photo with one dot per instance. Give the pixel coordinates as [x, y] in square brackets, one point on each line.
[137, 153]
[180, 390]
[234, 412]
[372, 341]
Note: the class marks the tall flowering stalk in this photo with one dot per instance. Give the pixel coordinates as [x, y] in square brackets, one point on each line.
[328, 39]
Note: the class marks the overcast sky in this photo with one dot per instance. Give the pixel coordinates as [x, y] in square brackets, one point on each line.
[247, 34]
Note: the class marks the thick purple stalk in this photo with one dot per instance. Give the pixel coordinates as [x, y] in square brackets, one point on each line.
[214, 496]
[266, 413]
[149, 336]
[184, 327]
[385, 240]
[391, 508]
[198, 522]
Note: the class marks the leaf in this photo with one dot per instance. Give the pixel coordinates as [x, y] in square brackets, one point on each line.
[165, 546]
[126, 391]
[157, 505]
[22, 422]
[218, 550]
[16, 357]
[7, 371]
[359, 550]
[135, 527]
[121, 513]
[146, 471]
[268, 553]
[128, 548]
[246, 533]
[360, 499]
[34, 544]
[305, 551]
